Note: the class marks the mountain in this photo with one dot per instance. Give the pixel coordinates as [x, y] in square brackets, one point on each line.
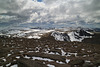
[77, 35]
[64, 34]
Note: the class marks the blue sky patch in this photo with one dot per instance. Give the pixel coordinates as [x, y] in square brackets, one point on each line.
[39, 0]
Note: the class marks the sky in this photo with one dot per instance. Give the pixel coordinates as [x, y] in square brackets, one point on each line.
[50, 13]
[39, 0]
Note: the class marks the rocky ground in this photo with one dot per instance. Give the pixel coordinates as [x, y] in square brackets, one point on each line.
[47, 52]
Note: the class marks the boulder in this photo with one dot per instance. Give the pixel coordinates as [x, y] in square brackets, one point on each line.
[88, 65]
[29, 63]
[76, 62]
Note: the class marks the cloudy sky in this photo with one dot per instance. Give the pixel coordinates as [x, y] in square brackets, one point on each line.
[50, 13]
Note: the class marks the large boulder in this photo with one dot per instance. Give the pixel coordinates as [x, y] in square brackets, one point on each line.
[29, 63]
[76, 62]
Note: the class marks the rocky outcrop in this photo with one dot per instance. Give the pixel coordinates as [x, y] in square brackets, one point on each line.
[60, 36]
[77, 35]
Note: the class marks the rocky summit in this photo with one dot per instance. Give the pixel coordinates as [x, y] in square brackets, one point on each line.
[50, 48]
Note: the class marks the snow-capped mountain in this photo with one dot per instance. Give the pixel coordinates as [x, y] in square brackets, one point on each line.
[80, 35]
[29, 33]
[77, 35]
[58, 34]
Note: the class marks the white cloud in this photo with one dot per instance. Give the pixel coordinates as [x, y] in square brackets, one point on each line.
[57, 11]
[12, 5]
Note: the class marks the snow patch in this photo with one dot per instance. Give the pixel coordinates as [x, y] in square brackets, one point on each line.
[69, 54]
[49, 65]
[8, 64]
[14, 65]
[39, 58]
[35, 37]
[63, 52]
[60, 62]
[18, 57]
[8, 55]
[67, 60]
[27, 57]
